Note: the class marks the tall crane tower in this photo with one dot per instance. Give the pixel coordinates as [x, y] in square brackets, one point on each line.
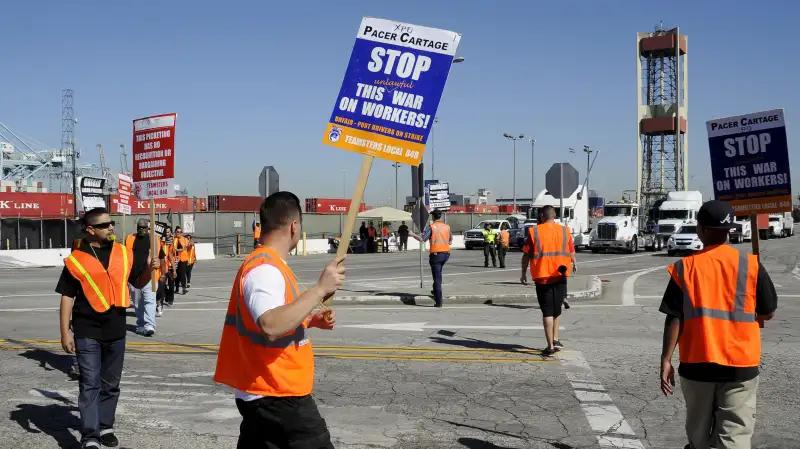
[663, 101]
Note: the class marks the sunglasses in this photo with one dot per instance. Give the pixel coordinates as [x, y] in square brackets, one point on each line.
[104, 225]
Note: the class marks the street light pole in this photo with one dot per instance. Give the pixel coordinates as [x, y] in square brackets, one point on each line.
[588, 152]
[433, 148]
[514, 170]
[533, 188]
[396, 166]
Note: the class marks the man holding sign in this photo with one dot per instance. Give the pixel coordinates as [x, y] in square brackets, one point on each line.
[265, 353]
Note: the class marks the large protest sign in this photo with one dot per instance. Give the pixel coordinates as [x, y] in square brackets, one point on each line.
[750, 162]
[124, 185]
[92, 193]
[391, 90]
[154, 156]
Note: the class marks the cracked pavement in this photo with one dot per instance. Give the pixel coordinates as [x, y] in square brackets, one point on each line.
[447, 386]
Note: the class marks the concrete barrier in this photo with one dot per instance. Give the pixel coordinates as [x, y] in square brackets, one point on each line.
[29, 258]
[204, 251]
[321, 246]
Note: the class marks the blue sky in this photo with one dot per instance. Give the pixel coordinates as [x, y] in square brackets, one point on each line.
[254, 83]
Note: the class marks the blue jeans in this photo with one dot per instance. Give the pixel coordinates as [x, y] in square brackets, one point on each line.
[437, 261]
[100, 365]
[145, 300]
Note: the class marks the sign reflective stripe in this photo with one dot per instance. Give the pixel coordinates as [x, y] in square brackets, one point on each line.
[260, 339]
[90, 280]
[738, 313]
[538, 253]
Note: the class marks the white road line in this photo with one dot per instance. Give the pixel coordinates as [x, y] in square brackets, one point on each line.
[628, 299]
[603, 416]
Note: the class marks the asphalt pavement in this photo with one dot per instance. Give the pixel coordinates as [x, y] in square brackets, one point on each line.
[394, 375]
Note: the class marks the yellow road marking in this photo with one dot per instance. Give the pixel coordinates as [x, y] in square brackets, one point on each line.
[427, 354]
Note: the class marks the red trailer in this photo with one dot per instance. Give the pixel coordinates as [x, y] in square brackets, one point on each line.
[330, 206]
[234, 203]
[162, 205]
[36, 205]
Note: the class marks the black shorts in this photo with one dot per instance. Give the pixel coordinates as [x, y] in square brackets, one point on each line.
[551, 298]
[282, 423]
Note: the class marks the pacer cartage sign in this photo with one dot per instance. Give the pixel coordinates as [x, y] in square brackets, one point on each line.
[750, 162]
[154, 156]
[391, 90]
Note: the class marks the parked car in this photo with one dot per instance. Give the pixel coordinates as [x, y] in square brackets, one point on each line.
[474, 237]
[684, 239]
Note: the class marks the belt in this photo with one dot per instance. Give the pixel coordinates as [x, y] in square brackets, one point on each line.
[443, 252]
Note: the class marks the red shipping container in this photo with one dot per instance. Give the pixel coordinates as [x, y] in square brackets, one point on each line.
[162, 205]
[200, 204]
[505, 209]
[234, 203]
[330, 205]
[457, 209]
[36, 205]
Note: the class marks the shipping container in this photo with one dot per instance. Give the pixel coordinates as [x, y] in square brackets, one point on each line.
[200, 204]
[482, 209]
[505, 209]
[330, 206]
[36, 205]
[175, 204]
[457, 210]
[234, 203]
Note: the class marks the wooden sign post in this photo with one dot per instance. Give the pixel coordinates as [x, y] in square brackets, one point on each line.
[153, 244]
[388, 100]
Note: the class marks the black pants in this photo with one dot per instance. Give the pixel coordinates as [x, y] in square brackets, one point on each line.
[551, 298]
[488, 248]
[282, 423]
[403, 243]
[169, 293]
[437, 261]
[502, 250]
[161, 293]
[371, 245]
[181, 282]
[189, 274]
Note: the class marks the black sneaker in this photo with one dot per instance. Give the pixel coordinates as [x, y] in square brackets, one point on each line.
[90, 444]
[109, 439]
[548, 352]
[149, 332]
[557, 345]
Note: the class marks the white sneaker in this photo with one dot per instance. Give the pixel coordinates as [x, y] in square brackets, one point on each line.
[159, 312]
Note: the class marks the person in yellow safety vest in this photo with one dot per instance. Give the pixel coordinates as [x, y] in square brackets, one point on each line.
[549, 252]
[714, 318]
[489, 238]
[94, 293]
[441, 239]
[265, 353]
[503, 240]
[192, 260]
[143, 298]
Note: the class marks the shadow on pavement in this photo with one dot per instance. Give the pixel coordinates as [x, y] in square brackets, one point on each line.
[474, 443]
[61, 362]
[473, 343]
[55, 420]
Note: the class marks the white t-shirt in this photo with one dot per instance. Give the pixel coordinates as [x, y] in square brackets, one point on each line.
[264, 289]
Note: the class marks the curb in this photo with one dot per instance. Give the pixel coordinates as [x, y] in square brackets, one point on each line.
[595, 290]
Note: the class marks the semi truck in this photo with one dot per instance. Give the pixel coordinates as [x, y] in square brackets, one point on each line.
[575, 214]
[618, 230]
[678, 207]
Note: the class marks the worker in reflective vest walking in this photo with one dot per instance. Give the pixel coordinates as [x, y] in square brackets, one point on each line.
[192, 260]
[503, 240]
[549, 252]
[440, 238]
[265, 352]
[714, 318]
[144, 299]
[94, 294]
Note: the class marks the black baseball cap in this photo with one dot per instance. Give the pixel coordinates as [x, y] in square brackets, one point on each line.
[715, 215]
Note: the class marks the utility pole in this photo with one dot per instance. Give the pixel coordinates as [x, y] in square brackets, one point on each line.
[74, 178]
[588, 152]
[533, 188]
[514, 168]
[396, 166]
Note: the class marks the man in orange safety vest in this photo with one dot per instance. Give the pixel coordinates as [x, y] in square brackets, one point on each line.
[265, 353]
[714, 317]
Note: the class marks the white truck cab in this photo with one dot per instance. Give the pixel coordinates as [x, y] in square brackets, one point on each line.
[678, 207]
[618, 230]
[781, 225]
[575, 215]
[684, 239]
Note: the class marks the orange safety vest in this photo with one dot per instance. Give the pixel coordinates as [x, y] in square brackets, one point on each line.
[183, 256]
[505, 237]
[192, 256]
[371, 231]
[103, 288]
[550, 244]
[129, 244]
[247, 360]
[719, 307]
[440, 237]
[257, 233]
[385, 232]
